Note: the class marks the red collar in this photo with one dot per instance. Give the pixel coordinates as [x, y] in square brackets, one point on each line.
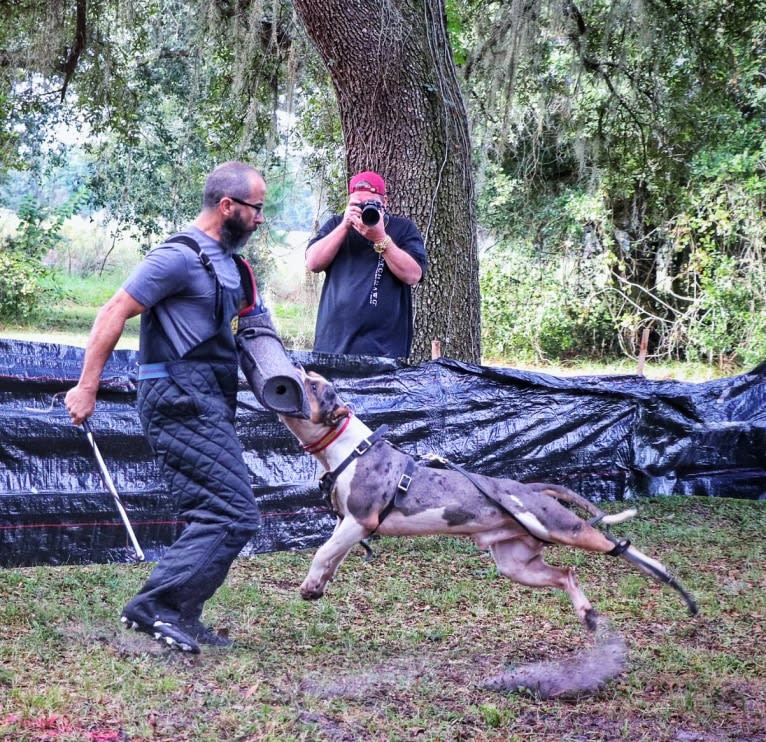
[327, 439]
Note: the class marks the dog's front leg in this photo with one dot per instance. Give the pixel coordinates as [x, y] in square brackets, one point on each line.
[329, 556]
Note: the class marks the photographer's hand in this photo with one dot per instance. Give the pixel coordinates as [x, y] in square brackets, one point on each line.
[374, 233]
[352, 217]
[320, 254]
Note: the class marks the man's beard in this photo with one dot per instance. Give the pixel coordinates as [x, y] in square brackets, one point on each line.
[234, 235]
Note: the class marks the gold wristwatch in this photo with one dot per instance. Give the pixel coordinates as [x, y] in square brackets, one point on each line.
[382, 245]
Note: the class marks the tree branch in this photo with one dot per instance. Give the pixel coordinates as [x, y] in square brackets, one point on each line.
[70, 65]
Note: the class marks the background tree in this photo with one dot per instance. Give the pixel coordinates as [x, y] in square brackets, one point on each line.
[402, 114]
[618, 149]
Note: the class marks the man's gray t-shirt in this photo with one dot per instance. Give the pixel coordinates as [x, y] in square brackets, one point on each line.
[172, 281]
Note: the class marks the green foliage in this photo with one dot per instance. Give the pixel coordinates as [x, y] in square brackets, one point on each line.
[730, 320]
[40, 225]
[630, 139]
[456, 29]
[26, 284]
[162, 92]
[721, 235]
[19, 285]
[534, 310]
[620, 151]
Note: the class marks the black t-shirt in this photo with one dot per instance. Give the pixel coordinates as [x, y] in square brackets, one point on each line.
[364, 308]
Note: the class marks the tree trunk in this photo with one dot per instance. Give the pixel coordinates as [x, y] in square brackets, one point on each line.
[403, 115]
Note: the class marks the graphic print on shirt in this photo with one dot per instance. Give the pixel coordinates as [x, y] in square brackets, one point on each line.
[376, 281]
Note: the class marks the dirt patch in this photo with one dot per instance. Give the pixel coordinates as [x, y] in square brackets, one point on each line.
[365, 684]
[575, 675]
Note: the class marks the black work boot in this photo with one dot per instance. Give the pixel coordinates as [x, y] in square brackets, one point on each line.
[205, 635]
[166, 633]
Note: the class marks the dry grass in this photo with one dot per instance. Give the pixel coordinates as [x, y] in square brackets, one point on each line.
[400, 647]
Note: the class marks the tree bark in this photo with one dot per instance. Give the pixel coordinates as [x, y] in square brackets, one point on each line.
[403, 115]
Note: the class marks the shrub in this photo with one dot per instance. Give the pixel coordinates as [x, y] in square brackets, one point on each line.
[536, 310]
[731, 318]
[19, 292]
[26, 283]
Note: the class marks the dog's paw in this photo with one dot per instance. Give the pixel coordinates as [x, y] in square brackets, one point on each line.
[591, 619]
[309, 594]
[314, 595]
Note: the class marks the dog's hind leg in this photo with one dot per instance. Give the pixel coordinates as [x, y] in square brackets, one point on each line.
[593, 540]
[521, 560]
[329, 556]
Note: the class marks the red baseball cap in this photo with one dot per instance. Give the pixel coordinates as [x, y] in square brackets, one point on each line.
[367, 181]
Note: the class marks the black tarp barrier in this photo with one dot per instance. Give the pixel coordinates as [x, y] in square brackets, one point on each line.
[608, 437]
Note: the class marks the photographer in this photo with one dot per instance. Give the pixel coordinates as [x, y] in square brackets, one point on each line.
[371, 260]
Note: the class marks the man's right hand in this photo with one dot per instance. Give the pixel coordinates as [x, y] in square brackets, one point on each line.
[352, 217]
[106, 331]
[80, 403]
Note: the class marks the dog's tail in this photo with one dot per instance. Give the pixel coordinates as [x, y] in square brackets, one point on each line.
[658, 571]
[623, 549]
[564, 494]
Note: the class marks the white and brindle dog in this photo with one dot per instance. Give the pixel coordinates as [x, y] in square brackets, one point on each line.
[514, 521]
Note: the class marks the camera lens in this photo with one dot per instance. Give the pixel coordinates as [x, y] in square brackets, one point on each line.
[370, 213]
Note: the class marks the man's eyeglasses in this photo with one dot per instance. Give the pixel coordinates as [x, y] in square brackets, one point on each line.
[257, 207]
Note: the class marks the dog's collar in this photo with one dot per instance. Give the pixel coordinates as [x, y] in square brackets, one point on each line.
[328, 438]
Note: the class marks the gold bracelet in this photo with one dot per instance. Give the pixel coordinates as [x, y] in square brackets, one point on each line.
[381, 246]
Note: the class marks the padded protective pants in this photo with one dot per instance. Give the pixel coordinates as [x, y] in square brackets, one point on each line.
[188, 419]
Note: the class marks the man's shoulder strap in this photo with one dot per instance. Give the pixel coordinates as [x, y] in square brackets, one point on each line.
[189, 241]
[246, 275]
[249, 286]
[184, 239]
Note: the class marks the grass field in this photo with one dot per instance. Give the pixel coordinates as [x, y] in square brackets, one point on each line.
[400, 647]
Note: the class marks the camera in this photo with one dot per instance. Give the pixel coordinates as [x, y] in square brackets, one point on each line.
[371, 211]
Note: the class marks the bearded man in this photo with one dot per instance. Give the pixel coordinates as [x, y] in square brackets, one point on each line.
[187, 291]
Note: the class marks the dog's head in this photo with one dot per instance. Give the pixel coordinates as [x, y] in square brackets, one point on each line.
[326, 406]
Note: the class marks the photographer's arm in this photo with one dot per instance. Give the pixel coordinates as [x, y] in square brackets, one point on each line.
[402, 265]
[321, 253]
[398, 260]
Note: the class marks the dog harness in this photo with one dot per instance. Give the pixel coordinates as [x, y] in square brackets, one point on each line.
[328, 479]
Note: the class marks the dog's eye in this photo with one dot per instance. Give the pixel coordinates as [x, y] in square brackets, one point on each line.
[313, 386]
